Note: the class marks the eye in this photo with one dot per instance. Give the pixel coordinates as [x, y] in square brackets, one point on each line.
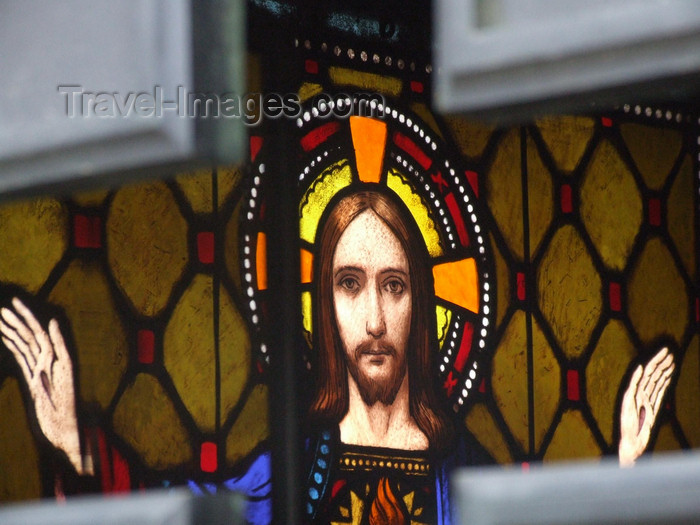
[394, 286]
[349, 283]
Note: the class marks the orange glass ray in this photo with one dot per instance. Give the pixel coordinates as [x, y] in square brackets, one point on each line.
[458, 283]
[306, 263]
[368, 139]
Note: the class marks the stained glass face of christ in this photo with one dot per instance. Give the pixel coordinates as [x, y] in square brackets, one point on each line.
[372, 305]
[400, 156]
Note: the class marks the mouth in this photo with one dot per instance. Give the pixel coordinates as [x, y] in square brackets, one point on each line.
[376, 352]
[376, 356]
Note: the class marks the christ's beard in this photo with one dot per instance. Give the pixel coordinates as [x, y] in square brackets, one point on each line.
[384, 389]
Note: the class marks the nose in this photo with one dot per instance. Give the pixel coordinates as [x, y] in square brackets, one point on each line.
[376, 325]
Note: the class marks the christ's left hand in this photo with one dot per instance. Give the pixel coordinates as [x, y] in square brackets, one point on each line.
[641, 403]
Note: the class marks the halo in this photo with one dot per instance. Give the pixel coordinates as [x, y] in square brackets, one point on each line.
[401, 154]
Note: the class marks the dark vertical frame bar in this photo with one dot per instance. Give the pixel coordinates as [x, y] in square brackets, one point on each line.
[695, 131]
[280, 75]
[529, 291]
[216, 283]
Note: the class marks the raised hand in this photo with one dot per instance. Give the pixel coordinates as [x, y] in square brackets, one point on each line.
[48, 371]
[641, 403]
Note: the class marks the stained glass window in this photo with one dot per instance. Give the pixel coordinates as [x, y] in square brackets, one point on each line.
[557, 255]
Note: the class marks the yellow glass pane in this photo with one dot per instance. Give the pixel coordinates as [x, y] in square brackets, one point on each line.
[505, 192]
[611, 206]
[609, 362]
[227, 179]
[231, 250]
[567, 138]
[371, 82]
[658, 300]
[666, 441]
[251, 426]
[261, 261]
[308, 90]
[443, 317]
[100, 339]
[333, 179]
[189, 353]
[681, 224]
[33, 238]
[19, 459]
[419, 211]
[546, 385]
[146, 245]
[654, 151]
[539, 191]
[369, 140]
[510, 380]
[197, 187]
[306, 312]
[572, 439]
[91, 198]
[146, 419]
[502, 282]
[688, 393]
[234, 353]
[471, 136]
[458, 283]
[569, 291]
[482, 426]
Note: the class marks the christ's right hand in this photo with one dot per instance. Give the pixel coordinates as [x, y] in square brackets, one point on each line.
[48, 371]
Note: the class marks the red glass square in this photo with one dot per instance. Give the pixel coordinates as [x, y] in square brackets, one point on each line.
[145, 344]
[607, 122]
[655, 212]
[205, 247]
[521, 286]
[566, 204]
[482, 386]
[207, 457]
[87, 232]
[311, 66]
[416, 87]
[615, 297]
[572, 386]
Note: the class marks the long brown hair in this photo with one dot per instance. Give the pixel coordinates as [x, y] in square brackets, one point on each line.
[330, 402]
